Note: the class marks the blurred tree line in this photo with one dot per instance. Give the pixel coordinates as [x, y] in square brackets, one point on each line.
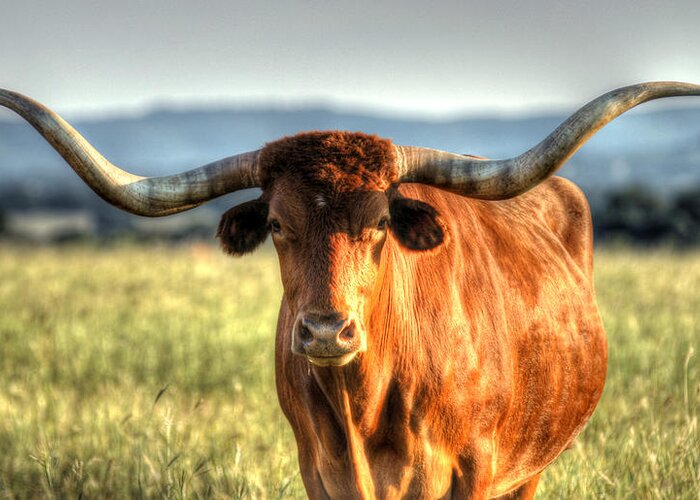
[639, 215]
[634, 215]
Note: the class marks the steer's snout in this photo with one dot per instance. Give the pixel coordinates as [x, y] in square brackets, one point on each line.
[327, 339]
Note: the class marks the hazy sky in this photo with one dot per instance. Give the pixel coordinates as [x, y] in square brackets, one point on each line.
[410, 56]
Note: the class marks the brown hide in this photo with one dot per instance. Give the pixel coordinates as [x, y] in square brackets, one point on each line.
[482, 358]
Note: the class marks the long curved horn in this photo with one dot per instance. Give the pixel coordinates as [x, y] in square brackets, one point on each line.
[501, 179]
[149, 196]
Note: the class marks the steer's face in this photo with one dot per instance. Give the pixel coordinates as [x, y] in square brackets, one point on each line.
[329, 204]
[329, 247]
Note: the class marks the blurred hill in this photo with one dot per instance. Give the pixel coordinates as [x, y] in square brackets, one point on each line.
[660, 148]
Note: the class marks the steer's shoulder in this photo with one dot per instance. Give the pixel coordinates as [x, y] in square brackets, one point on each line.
[552, 215]
[567, 213]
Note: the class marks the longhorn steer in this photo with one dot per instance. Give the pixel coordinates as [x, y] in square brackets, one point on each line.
[431, 342]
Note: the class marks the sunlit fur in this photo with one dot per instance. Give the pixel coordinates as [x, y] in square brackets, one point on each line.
[482, 358]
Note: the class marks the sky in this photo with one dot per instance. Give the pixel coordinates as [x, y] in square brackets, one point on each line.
[415, 58]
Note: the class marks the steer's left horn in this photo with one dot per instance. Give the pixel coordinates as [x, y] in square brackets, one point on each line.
[501, 179]
[150, 196]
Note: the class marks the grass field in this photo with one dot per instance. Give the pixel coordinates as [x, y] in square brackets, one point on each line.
[148, 372]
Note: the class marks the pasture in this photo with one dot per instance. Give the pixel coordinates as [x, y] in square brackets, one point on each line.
[133, 371]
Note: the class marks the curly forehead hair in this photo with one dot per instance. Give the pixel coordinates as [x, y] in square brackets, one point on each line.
[343, 161]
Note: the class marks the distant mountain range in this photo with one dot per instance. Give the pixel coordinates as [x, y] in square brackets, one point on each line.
[659, 148]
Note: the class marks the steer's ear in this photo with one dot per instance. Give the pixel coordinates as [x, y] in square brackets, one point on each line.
[243, 228]
[416, 225]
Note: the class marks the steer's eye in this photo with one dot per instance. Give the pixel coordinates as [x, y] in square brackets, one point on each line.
[275, 226]
[382, 224]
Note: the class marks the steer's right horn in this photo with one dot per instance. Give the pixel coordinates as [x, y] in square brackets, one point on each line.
[501, 179]
[149, 196]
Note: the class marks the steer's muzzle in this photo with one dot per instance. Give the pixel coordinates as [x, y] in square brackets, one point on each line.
[327, 339]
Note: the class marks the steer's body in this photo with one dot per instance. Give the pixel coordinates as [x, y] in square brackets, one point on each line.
[485, 357]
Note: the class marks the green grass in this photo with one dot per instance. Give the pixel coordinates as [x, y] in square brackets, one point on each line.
[148, 372]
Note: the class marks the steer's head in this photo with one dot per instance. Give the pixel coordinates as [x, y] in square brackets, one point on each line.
[329, 201]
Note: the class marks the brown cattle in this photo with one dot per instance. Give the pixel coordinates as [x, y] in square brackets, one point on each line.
[431, 343]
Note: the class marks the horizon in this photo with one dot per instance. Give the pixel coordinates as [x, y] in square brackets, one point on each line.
[334, 106]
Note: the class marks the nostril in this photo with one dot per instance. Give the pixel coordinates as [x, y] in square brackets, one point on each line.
[347, 334]
[305, 334]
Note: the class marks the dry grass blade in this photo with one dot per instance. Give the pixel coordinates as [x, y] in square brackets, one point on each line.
[160, 394]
